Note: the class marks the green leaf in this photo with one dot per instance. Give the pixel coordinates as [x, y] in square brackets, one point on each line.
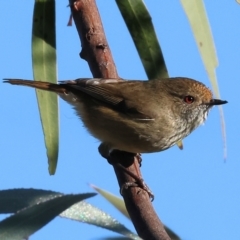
[198, 20]
[13, 200]
[85, 212]
[44, 69]
[180, 144]
[139, 23]
[116, 201]
[30, 219]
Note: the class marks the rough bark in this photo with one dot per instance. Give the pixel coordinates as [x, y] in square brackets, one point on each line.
[96, 51]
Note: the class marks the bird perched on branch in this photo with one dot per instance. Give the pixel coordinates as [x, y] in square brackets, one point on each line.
[135, 116]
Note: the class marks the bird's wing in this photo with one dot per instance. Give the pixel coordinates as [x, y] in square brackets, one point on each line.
[96, 88]
[108, 91]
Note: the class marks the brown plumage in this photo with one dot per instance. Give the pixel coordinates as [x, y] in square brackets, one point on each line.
[135, 116]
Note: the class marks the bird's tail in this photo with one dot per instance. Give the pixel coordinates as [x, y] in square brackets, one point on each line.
[58, 88]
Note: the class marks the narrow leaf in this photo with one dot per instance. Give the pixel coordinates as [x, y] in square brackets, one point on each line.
[85, 212]
[139, 24]
[44, 69]
[180, 144]
[13, 200]
[29, 220]
[116, 201]
[198, 20]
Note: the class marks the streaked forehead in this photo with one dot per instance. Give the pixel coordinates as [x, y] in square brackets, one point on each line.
[189, 86]
[205, 91]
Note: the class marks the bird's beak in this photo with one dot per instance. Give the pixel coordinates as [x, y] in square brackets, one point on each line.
[216, 102]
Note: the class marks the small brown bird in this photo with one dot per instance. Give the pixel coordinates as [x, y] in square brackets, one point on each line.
[135, 116]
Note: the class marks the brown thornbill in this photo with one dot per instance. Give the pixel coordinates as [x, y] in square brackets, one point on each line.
[135, 116]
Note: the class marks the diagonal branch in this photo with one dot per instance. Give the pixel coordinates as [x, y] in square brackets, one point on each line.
[95, 49]
[96, 52]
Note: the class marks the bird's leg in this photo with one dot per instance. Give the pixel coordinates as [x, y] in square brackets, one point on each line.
[114, 159]
[139, 182]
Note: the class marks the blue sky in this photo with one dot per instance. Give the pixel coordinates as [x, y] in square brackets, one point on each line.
[197, 193]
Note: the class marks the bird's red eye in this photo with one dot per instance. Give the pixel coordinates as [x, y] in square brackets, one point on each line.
[188, 99]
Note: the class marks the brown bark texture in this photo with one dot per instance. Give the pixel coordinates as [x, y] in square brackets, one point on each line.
[96, 51]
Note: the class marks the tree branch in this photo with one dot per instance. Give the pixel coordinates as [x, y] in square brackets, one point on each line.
[96, 52]
[95, 49]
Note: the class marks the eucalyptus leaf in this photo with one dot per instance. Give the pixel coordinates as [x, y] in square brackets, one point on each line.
[116, 201]
[30, 219]
[85, 212]
[198, 20]
[45, 69]
[139, 24]
[14, 200]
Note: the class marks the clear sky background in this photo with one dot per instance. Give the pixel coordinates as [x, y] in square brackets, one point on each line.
[197, 193]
